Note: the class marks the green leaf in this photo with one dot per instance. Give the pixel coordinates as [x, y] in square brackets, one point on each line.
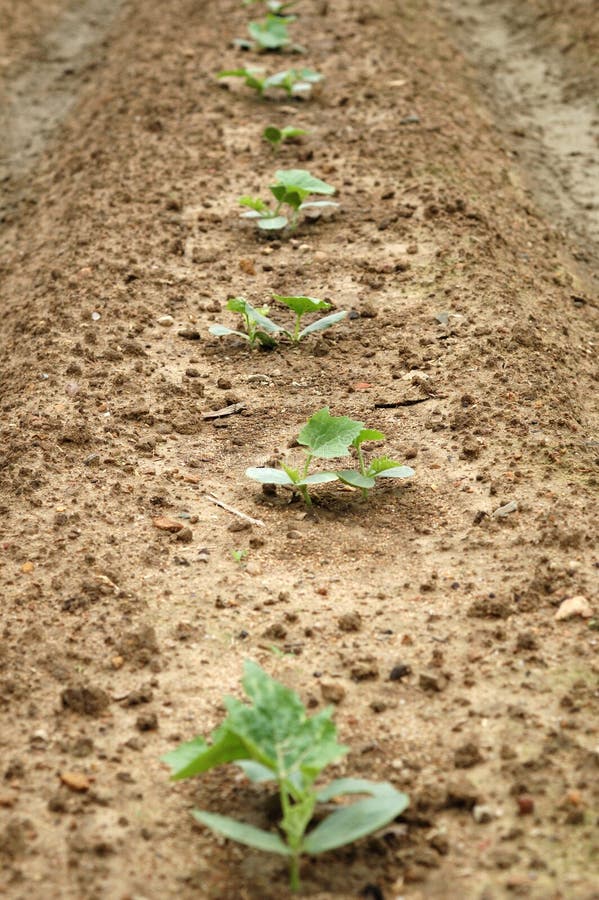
[322, 324]
[251, 76]
[318, 478]
[267, 475]
[274, 223]
[242, 833]
[342, 786]
[368, 434]
[271, 33]
[311, 204]
[303, 305]
[328, 436]
[356, 820]
[266, 340]
[256, 772]
[265, 323]
[254, 203]
[272, 134]
[222, 330]
[302, 180]
[383, 467]
[278, 730]
[355, 479]
[197, 756]
[289, 131]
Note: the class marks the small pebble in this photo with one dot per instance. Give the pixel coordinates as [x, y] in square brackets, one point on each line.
[166, 321]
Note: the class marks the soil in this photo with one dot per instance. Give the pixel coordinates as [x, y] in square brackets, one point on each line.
[471, 345]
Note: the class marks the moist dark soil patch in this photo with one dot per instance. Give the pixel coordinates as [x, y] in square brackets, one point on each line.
[472, 349]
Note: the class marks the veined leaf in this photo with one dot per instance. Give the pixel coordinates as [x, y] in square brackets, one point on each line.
[254, 203]
[273, 223]
[328, 436]
[222, 330]
[318, 203]
[267, 475]
[301, 179]
[303, 305]
[355, 479]
[356, 820]
[368, 434]
[265, 323]
[322, 324]
[197, 756]
[318, 478]
[256, 772]
[388, 468]
[243, 833]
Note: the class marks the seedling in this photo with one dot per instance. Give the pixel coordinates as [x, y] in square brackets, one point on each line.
[303, 305]
[274, 739]
[290, 191]
[295, 82]
[277, 136]
[328, 437]
[270, 34]
[259, 328]
[239, 555]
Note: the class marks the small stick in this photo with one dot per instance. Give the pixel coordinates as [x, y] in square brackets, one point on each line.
[235, 512]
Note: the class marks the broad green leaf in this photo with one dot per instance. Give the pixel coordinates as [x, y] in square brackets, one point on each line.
[267, 475]
[318, 203]
[294, 197]
[222, 330]
[256, 772]
[254, 203]
[278, 730]
[271, 33]
[318, 478]
[368, 434]
[322, 324]
[356, 820]
[342, 786]
[328, 436]
[302, 180]
[355, 479]
[237, 304]
[303, 305]
[273, 223]
[243, 833]
[383, 467]
[265, 323]
[197, 756]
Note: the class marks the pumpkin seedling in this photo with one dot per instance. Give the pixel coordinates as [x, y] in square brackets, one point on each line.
[273, 739]
[258, 327]
[291, 190]
[277, 136]
[303, 305]
[328, 437]
[271, 34]
[295, 82]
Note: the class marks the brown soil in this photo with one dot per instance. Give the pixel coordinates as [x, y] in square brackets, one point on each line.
[119, 640]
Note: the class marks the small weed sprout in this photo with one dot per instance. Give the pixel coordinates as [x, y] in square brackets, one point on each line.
[330, 437]
[239, 556]
[290, 190]
[273, 739]
[295, 82]
[277, 136]
[259, 329]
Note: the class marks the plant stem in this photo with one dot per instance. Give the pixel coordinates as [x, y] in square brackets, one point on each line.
[297, 328]
[294, 873]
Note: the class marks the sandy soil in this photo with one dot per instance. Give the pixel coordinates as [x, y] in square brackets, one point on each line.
[471, 345]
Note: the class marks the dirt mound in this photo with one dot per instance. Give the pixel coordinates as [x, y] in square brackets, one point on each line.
[469, 343]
